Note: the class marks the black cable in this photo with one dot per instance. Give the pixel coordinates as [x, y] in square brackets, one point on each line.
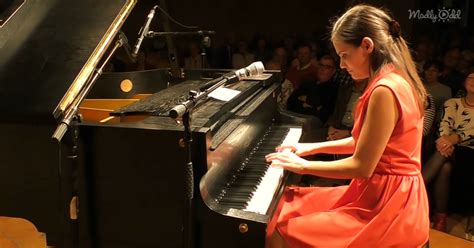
[173, 20]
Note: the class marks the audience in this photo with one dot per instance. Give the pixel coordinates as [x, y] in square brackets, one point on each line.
[278, 61]
[305, 72]
[262, 52]
[421, 55]
[456, 132]
[316, 98]
[439, 94]
[195, 59]
[450, 76]
[242, 57]
[341, 121]
[439, 91]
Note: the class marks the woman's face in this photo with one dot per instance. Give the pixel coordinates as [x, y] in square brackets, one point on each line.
[432, 74]
[355, 59]
[469, 84]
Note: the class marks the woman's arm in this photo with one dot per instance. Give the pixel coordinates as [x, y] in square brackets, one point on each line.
[429, 116]
[380, 120]
[342, 146]
[447, 122]
[448, 138]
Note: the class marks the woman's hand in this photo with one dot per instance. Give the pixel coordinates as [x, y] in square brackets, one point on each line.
[300, 149]
[288, 161]
[445, 146]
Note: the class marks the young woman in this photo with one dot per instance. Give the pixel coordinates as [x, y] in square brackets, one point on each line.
[386, 203]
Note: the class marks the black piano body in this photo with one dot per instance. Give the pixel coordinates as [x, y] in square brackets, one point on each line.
[133, 177]
[128, 169]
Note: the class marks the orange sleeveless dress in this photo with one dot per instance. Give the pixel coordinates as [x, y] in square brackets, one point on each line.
[389, 209]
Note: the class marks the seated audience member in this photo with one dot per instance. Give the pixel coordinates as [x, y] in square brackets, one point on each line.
[262, 52]
[278, 61]
[430, 112]
[467, 57]
[317, 98]
[450, 76]
[456, 136]
[289, 43]
[341, 121]
[195, 59]
[242, 57]
[153, 57]
[223, 50]
[421, 55]
[314, 58]
[305, 72]
[440, 93]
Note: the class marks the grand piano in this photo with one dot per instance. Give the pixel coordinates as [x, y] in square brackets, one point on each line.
[120, 175]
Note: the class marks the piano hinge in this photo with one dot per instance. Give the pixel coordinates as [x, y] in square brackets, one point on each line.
[74, 208]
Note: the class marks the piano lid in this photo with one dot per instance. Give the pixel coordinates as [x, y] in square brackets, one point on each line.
[48, 49]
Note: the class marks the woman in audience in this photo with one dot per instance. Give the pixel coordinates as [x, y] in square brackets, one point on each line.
[439, 93]
[456, 133]
[386, 200]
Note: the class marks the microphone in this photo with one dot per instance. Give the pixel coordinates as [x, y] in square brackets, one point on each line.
[124, 43]
[252, 70]
[143, 32]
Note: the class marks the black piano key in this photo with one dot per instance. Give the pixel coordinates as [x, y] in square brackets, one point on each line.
[246, 181]
[255, 168]
[240, 190]
[244, 185]
[233, 205]
[238, 197]
[253, 178]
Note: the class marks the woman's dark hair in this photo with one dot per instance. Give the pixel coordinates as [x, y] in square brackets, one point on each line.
[389, 46]
[433, 63]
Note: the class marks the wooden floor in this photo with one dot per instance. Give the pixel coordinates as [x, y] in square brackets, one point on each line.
[444, 240]
[456, 224]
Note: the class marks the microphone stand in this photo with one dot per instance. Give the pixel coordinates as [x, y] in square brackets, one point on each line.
[205, 41]
[152, 34]
[70, 119]
[71, 112]
[184, 111]
[175, 70]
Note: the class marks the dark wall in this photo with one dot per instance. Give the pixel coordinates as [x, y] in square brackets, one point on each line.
[245, 18]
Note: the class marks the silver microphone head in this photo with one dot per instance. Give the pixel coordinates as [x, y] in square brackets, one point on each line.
[253, 69]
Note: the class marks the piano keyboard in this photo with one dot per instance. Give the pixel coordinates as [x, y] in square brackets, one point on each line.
[253, 185]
